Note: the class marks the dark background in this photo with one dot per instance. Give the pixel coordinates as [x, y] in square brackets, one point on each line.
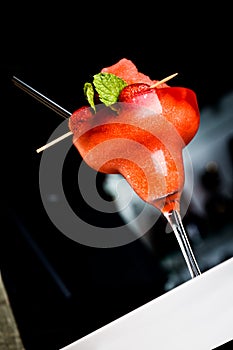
[60, 290]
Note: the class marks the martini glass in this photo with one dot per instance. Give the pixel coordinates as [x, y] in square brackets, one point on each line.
[147, 153]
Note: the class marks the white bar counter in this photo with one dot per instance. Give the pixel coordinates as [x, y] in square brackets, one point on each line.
[196, 315]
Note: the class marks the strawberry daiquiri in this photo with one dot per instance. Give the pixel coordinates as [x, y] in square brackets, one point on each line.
[137, 127]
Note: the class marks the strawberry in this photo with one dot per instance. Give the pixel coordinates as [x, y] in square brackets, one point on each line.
[142, 95]
[131, 91]
[79, 118]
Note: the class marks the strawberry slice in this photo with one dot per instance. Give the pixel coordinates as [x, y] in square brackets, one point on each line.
[126, 70]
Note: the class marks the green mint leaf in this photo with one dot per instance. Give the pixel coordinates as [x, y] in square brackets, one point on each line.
[89, 94]
[108, 87]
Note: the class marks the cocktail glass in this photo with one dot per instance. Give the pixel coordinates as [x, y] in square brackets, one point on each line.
[146, 149]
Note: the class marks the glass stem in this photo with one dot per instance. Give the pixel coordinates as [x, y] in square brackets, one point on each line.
[175, 221]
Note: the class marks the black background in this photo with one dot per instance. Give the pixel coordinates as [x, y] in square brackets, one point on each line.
[56, 52]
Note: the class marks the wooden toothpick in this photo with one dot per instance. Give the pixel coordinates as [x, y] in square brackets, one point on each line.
[60, 138]
[163, 80]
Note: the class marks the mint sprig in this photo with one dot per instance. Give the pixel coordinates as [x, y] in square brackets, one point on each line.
[108, 87]
[89, 94]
